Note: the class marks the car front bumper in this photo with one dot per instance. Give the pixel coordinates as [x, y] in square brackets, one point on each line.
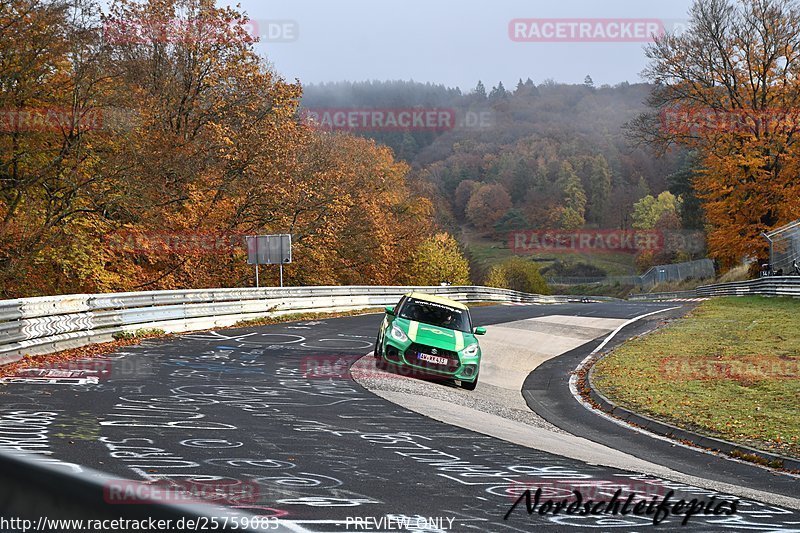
[400, 355]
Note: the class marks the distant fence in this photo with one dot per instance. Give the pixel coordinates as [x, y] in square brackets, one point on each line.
[784, 248]
[52, 323]
[700, 269]
[772, 286]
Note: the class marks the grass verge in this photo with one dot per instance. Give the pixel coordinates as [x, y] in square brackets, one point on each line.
[730, 369]
[295, 317]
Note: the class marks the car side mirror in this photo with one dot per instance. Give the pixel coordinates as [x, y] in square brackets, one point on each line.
[389, 310]
[480, 331]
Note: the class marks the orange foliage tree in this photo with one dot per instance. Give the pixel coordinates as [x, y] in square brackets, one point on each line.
[729, 88]
[199, 144]
[487, 205]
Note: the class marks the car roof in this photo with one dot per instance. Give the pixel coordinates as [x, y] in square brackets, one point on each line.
[437, 299]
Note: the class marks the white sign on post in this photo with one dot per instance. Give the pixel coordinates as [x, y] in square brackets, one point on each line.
[269, 250]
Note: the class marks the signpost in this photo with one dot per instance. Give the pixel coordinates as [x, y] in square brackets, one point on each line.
[269, 250]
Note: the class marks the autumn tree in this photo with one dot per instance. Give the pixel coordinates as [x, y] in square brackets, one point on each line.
[488, 205]
[573, 205]
[463, 193]
[498, 92]
[480, 90]
[496, 277]
[661, 213]
[206, 146]
[729, 88]
[517, 274]
[681, 184]
[649, 211]
[54, 131]
[439, 259]
[598, 188]
[213, 127]
[363, 225]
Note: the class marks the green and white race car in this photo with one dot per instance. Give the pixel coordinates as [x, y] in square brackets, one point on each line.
[430, 336]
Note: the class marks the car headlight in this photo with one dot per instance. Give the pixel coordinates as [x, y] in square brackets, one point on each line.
[399, 334]
[471, 350]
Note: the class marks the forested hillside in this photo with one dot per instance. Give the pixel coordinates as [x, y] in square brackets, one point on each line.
[541, 143]
[546, 156]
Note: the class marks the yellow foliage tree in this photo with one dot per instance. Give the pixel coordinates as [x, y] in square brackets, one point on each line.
[439, 259]
[517, 274]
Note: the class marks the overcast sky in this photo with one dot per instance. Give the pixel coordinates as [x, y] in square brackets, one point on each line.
[454, 42]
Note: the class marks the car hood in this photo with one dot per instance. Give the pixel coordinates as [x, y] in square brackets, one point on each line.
[446, 339]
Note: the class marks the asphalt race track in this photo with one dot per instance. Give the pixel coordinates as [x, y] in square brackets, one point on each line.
[273, 410]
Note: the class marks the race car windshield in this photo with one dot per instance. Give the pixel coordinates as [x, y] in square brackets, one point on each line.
[436, 314]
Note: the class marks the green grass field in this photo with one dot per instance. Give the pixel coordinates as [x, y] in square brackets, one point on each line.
[485, 252]
[730, 369]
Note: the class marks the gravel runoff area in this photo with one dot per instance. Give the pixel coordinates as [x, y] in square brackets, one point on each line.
[487, 398]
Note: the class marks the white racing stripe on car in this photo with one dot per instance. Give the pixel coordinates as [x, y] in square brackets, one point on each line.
[459, 340]
[413, 326]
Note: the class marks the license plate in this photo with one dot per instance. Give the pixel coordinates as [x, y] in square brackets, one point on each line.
[435, 359]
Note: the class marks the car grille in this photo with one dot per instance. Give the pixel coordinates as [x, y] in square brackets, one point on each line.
[452, 357]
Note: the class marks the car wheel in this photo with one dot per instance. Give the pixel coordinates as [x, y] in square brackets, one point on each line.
[469, 386]
[379, 362]
[378, 348]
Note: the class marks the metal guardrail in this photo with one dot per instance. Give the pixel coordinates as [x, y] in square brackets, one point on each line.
[594, 280]
[662, 295]
[52, 323]
[772, 286]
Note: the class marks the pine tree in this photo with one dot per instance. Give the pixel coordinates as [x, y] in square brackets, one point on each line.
[480, 90]
[574, 198]
[498, 92]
